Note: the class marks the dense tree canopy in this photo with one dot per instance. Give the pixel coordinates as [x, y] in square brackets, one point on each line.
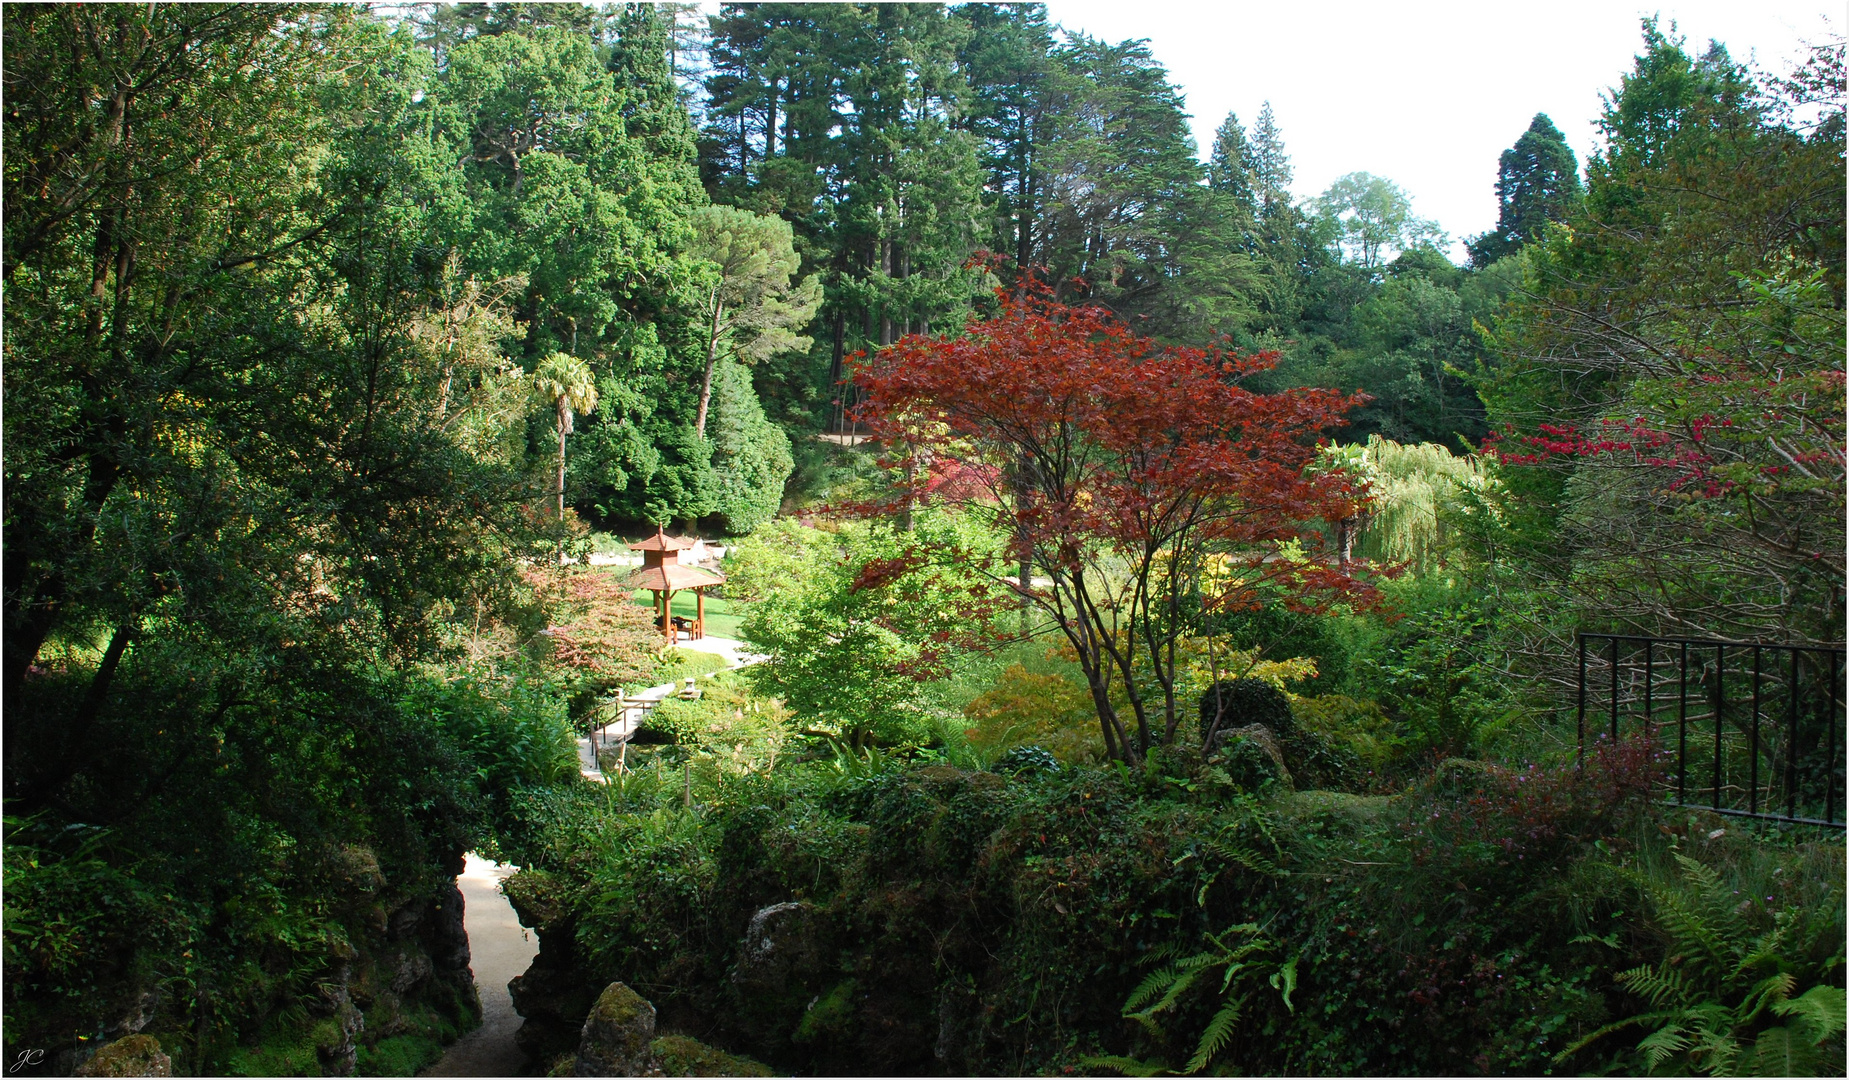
[332, 331]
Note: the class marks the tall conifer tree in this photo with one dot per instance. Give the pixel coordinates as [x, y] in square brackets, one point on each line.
[1229, 168]
[1537, 181]
[1271, 169]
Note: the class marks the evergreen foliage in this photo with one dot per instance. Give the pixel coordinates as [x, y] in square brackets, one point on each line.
[329, 328]
[1537, 182]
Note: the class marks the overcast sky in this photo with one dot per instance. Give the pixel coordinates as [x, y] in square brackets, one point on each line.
[1425, 94]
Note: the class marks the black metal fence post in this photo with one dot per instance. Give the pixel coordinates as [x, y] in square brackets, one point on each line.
[1800, 804]
[1720, 710]
[1752, 760]
[1791, 738]
[1682, 732]
[1614, 690]
[1579, 753]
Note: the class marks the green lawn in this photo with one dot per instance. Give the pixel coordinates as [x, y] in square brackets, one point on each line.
[721, 619]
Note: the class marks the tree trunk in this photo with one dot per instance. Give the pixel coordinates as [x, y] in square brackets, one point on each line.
[770, 124]
[564, 426]
[712, 358]
[885, 307]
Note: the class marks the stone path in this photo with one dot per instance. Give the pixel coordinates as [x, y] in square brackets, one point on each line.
[499, 949]
[638, 705]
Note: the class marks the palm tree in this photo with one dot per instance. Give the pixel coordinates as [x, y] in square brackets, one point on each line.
[565, 383]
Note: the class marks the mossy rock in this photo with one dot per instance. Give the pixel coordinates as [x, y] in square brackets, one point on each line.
[141, 1055]
[940, 774]
[1464, 776]
[1244, 702]
[539, 899]
[831, 1015]
[1251, 758]
[617, 1034]
[679, 1055]
[1336, 806]
[294, 1057]
[400, 1055]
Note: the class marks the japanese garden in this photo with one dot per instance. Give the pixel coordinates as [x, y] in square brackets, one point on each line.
[871, 552]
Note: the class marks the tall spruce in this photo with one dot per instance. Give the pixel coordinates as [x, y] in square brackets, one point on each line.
[1271, 168]
[1537, 181]
[1230, 168]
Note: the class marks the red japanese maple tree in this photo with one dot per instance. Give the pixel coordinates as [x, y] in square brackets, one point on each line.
[1121, 468]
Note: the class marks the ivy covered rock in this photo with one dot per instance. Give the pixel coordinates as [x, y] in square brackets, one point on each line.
[1252, 757]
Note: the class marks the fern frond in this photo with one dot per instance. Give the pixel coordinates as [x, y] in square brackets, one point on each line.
[1702, 947]
[1620, 1025]
[1219, 1032]
[1660, 986]
[1176, 989]
[1146, 991]
[1768, 992]
[1663, 1043]
[1127, 1066]
[1819, 1011]
[1244, 856]
[1284, 980]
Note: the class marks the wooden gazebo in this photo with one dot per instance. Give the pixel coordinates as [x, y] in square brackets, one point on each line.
[663, 575]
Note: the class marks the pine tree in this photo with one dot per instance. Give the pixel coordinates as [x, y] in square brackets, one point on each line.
[1229, 169]
[1537, 181]
[1271, 171]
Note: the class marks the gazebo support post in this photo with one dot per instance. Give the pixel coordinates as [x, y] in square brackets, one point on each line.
[699, 612]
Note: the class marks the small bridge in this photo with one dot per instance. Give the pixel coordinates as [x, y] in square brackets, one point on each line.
[623, 715]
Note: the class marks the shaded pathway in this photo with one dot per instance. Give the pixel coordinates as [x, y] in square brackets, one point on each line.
[499, 949]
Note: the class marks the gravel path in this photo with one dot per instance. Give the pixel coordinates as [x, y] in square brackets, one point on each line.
[499, 949]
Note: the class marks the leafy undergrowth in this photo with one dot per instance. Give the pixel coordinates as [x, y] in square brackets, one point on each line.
[1002, 922]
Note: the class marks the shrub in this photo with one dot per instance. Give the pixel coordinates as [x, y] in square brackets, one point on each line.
[1045, 710]
[1236, 703]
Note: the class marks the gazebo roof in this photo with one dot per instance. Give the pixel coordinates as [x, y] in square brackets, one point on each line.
[661, 541]
[672, 577]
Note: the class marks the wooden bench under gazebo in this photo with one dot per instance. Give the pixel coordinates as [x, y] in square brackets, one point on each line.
[663, 575]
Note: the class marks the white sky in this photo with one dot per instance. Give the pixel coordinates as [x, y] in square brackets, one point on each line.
[1426, 94]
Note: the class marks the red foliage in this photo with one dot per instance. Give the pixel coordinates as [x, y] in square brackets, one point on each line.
[1087, 433]
[597, 630]
[1082, 440]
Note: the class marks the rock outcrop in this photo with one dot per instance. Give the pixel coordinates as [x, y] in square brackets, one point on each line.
[619, 1040]
[132, 1055]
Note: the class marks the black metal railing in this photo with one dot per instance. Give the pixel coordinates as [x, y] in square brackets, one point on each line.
[1764, 720]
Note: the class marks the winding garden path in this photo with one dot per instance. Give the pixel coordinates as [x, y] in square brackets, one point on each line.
[732, 652]
[499, 949]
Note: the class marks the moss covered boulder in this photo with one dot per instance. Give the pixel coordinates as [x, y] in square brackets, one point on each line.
[617, 1035]
[136, 1055]
[678, 1055]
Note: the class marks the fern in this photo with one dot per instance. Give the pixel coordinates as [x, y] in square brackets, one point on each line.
[1128, 1066]
[1239, 953]
[1719, 983]
[1219, 1032]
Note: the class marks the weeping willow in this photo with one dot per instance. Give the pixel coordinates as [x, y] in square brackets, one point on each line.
[1419, 491]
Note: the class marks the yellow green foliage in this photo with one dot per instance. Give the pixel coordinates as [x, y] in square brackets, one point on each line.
[1361, 726]
[729, 727]
[1049, 711]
